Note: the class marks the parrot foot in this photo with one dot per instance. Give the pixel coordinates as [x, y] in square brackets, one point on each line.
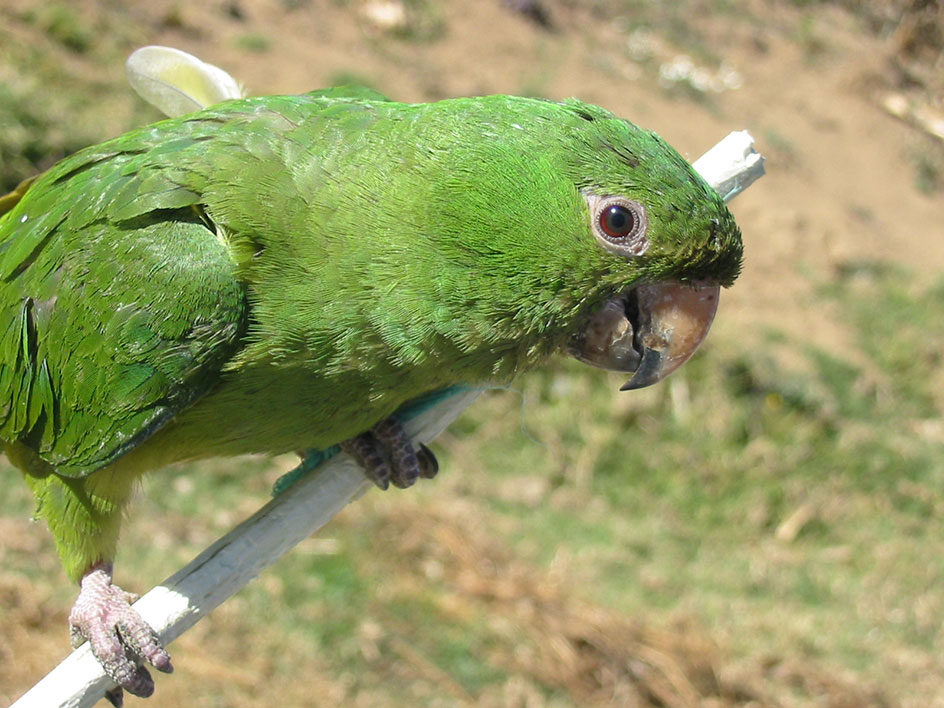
[119, 637]
[387, 455]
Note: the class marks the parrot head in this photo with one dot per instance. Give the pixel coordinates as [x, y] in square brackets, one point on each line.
[666, 243]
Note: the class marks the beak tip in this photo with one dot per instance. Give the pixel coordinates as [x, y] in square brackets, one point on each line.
[648, 372]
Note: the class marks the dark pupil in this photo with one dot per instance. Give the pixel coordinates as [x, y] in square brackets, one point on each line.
[617, 221]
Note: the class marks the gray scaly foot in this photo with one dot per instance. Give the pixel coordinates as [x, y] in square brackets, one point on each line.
[388, 456]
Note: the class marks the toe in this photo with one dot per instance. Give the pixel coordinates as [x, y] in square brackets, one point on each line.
[137, 635]
[363, 449]
[405, 468]
[117, 658]
[117, 634]
[132, 678]
[388, 456]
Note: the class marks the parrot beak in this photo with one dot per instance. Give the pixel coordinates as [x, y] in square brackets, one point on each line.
[650, 330]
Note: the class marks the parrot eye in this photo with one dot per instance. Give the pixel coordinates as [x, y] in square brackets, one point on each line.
[617, 221]
[620, 224]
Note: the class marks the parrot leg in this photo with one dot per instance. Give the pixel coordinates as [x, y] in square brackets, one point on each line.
[117, 634]
[387, 455]
[84, 516]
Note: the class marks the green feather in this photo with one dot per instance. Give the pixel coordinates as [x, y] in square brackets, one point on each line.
[280, 273]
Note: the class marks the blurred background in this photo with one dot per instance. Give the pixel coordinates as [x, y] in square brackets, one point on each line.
[764, 529]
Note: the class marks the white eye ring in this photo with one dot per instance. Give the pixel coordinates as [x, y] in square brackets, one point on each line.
[619, 224]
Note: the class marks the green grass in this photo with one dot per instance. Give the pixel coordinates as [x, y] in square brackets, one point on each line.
[681, 511]
[64, 24]
[59, 89]
[928, 164]
[254, 42]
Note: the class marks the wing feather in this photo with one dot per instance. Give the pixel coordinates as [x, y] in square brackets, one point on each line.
[114, 324]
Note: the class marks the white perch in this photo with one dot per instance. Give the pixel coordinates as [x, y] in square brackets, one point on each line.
[732, 165]
[222, 569]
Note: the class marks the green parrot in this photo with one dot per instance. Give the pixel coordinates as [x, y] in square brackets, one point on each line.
[283, 273]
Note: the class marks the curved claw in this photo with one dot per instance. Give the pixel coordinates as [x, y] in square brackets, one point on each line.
[429, 465]
[117, 635]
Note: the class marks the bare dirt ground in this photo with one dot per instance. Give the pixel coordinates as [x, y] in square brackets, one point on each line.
[841, 183]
